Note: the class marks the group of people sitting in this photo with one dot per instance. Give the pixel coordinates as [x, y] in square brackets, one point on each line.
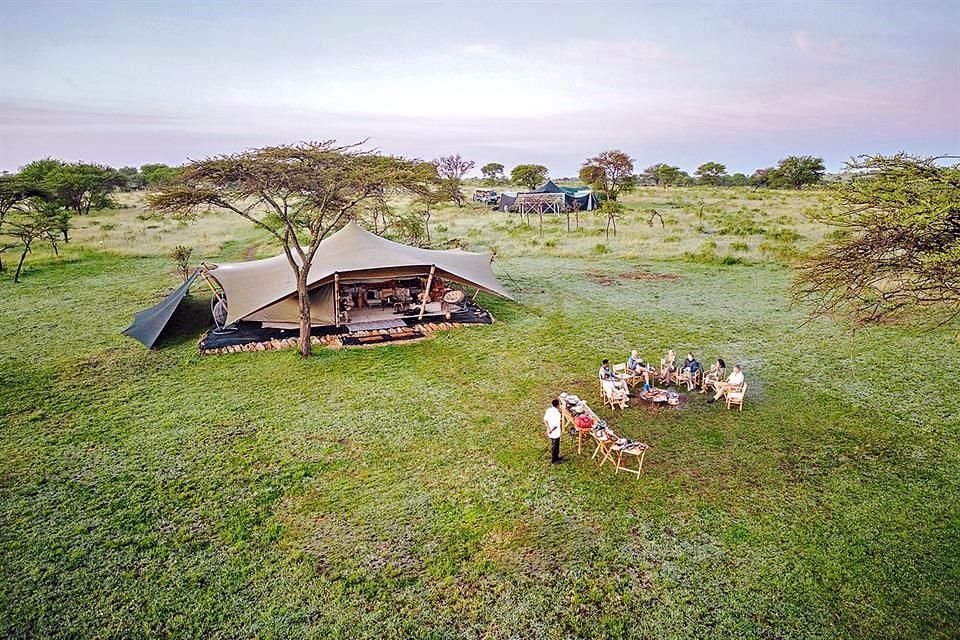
[690, 372]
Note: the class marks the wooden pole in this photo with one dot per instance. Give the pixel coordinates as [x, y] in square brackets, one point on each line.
[216, 294]
[426, 293]
[336, 299]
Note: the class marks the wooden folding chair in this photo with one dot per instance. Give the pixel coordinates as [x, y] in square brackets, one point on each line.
[621, 371]
[736, 397]
[615, 398]
[666, 376]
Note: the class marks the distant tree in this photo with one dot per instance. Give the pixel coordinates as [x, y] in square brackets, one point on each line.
[133, 179]
[492, 173]
[156, 174]
[429, 194]
[31, 220]
[15, 192]
[738, 180]
[898, 251]
[451, 171]
[299, 194]
[609, 172]
[529, 175]
[665, 174]
[612, 211]
[653, 172]
[761, 178]
[38, 171]
[796, 171]
[711, 173]
[81, 187]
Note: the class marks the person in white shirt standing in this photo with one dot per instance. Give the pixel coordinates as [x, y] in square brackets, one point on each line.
[552, 420]
[734, 380]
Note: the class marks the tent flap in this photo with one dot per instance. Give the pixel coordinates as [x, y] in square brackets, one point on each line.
[149, 323]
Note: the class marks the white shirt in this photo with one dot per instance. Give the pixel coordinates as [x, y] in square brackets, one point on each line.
[736, 378]
[552, 418]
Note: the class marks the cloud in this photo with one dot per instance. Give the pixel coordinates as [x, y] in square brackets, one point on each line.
[814, 47]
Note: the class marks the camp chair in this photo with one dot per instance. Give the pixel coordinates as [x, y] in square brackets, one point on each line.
[721, 376]
[621, 371]
[665, 374]
[736, 396]
[612, 396]
[694, 381]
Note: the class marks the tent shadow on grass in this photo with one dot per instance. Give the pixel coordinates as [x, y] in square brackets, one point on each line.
[191, 319]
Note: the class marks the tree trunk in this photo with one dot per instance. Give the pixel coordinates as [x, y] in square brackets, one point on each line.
[26, 248]
[303, 301]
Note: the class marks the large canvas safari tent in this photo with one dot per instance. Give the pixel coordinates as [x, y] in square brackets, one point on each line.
[357, 281]
[570, 198]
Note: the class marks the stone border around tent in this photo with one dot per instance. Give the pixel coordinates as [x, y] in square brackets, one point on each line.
[427, 329]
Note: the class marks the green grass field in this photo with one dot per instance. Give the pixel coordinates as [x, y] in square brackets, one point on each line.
[405, 491]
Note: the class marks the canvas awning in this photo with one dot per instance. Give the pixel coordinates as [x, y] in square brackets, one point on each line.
[149, 323]
[354, 252]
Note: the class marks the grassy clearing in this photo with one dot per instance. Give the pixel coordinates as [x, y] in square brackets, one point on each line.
[404, 491]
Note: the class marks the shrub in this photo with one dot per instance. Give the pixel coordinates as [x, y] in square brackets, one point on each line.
[600, 249]
[740, 246]
[784, 235]
[181, 256]
[740, 224]
[778, 251]
[707, 254]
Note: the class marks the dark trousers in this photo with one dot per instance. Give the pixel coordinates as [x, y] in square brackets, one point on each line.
[554, 449]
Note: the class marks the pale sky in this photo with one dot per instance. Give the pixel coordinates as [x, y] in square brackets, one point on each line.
[745, 84]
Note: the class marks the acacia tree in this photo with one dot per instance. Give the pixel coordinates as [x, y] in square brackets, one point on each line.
[711, 173]
[77, 186]
[451, 171]
[612, 211]
[529, 175]
[298, 194]
[665, 174]
[431, 191]
[796, 171]
[15, 192]
[761, 178]
[898, 247]
[80, 186]
[30, 220]
[609, 172]
[492, 173]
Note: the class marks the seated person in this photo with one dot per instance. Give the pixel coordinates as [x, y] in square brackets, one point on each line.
[688, 372]
[639, 367]
[668, 367]
[609, 379]
[714, 375]
[734, 380]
